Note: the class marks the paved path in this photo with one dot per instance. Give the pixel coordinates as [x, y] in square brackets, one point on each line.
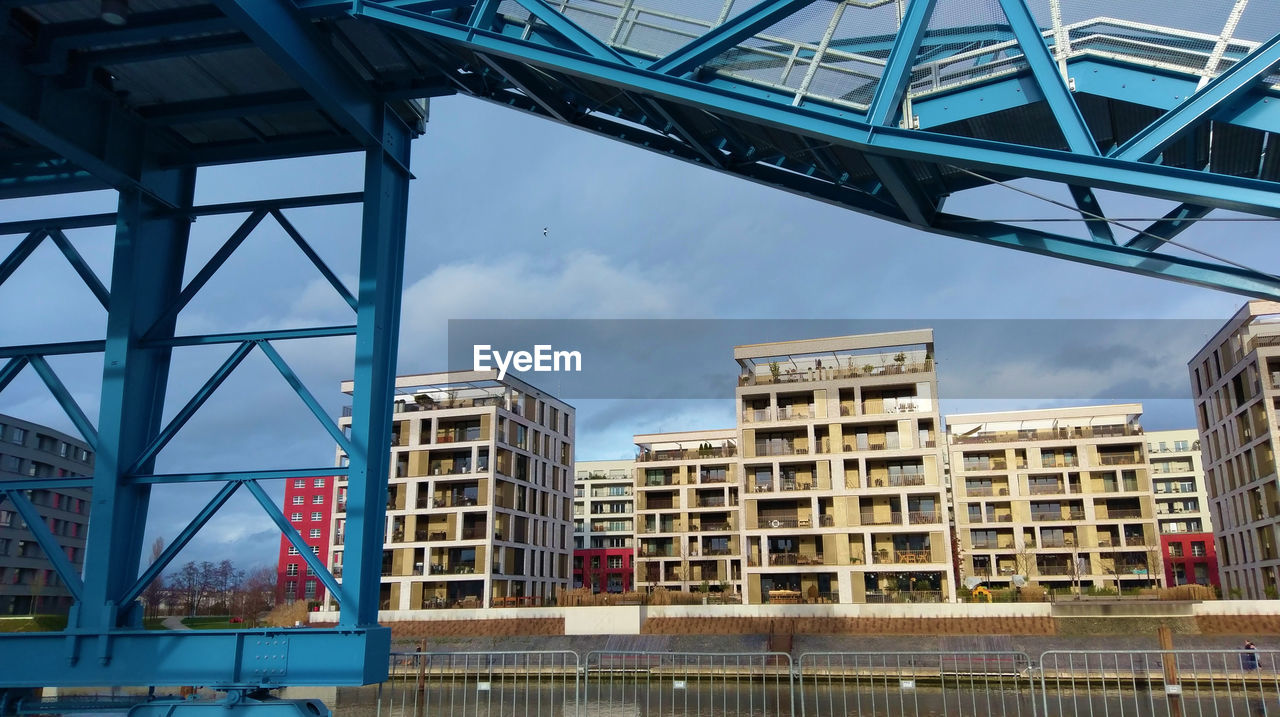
[174, 623]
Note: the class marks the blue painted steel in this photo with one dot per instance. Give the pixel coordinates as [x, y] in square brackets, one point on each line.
[314, 258]
[315, 562]
[180, 541]
[217, 476]
[386, 182]
[49, 483]
[897, 180]
[300, 388]
[482, 14]
[233, 705]
[701, 49]
[266, 335]
[20, 254]
[211, 267]
[11, 369]
[887, 100]
[65, 400]
[53, 552]
[78, 263]
[1091, 212]
[54, 349]
[570, 31]
[217, 659]
[1224, 89]
[146, 277]
[1048, 77]
[1178, 220]
[204, 393]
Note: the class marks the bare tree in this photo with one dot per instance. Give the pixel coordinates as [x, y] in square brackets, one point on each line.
[154, 593]
[255, 594]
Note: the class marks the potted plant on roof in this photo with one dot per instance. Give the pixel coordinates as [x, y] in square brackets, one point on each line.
[775, 370]
[900, 358]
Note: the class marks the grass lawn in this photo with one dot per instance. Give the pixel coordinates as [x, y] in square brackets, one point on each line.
[154, 623]
[216, 622]
[33, 623]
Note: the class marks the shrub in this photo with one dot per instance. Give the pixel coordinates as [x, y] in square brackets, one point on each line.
[1187, 592]
[286, 615]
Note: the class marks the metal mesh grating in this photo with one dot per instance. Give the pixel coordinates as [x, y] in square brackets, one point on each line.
[954, 56]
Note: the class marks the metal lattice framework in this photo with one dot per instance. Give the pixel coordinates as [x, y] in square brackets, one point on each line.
[885, 107]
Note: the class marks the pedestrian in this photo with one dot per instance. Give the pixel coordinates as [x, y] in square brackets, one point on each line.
[1249, 658]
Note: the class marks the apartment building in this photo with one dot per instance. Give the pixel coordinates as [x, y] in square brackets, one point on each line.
[480, 494]
[1235, 382]
[308, 502]
[1062, 497]
[28, 582]
[842, 470]
[604, 526]
[687, 512]
[1182, 507]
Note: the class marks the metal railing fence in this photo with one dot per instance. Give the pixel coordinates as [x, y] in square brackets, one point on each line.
[1062, 683]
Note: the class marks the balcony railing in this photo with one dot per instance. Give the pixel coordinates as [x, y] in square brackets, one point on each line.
[1118, 460]
[924, 517]
[1054, 570]
[992, 465]
[1037, 489]
[898, 481]
[645, 455]
[1057, 543]
[712, 527]
[832, 374]
[716, 502]
[780, 449]
[980, 491]
[1122, 514]
[871, 518]
[652, 552]
[784, 521]
[1041, 516]
[1048, 434]
[1060, 462]
[902, 557]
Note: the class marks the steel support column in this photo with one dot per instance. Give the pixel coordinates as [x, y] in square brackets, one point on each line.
[146, 278]
[386, 196]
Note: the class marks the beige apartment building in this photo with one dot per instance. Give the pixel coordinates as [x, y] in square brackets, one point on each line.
[1177, 482]
[1235, 381]
[480, 491]
[1062, 497]
[841, 470]
[687, 512]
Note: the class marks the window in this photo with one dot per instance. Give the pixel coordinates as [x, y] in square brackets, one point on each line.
[291, 569]
[12, 464]
[315, 550]
[6, 518]
[17, 435]
[300, 483]
[317, 515]
[293, 550]
[311, 588]
[318, 499]
[315, 532]
[291, 588]
[295, 517]
[615, 562]
[1175, 550]
[298, 500]
[319, 483]
[1197, 548]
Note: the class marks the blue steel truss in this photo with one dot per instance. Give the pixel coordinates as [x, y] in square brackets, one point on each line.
[850, 103]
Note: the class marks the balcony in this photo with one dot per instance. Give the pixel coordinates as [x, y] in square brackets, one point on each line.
[646, 455]
[1046, 489]
[871, 518]
[795, 559]
[720, 526]
[832, 374]
[718, 501]
[1047, 434]
[1060, 462]
[780, 449]
[1123, 514]
[1041, 516]
[900, 480]
[984, 491]
[796, 484]
[917, 517]
[659, 552]
[458, 435]
[1118, 460]
[901, 557]
[1065, 542]
[990, 465]
[1054, 570]
[784, 521]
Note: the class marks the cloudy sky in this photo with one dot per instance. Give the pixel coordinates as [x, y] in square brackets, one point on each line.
[630, 235]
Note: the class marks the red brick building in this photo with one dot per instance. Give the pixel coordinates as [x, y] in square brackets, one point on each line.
[308, 504]
[1189, 558]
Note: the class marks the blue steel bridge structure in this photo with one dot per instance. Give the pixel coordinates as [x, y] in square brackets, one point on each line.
[886, 107]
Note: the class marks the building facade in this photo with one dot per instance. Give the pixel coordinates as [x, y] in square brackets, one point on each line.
[1182, 507]
[842, 470]
[1061, 497]
[479, 508]
[687, 512]
[308, 503]
[604, 526]
[28, 582]
[1235, 381]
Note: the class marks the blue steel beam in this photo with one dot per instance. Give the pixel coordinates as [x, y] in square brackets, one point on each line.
[906, 192]
[52, 550]
[1178, 220]
[146, 276]
[382, 240]
[217, 659]
[277, 29]
[65, 400]
[56, 41]
[840, 127]
[292, 535]
[49, 483]
[215, 477]
[55, 349]
[705, 47]
[211, 267]
[314, 258]
[11, 369]
[180, 541]
[300, 388]
[892, 87]
[1091, 213]
[1045, 70]
[570, 31]
[197, 400]
[81, 267]
[267, 335]
[20, 253]
[1224, 89]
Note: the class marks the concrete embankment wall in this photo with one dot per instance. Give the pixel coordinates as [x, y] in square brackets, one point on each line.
[1085, 617]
